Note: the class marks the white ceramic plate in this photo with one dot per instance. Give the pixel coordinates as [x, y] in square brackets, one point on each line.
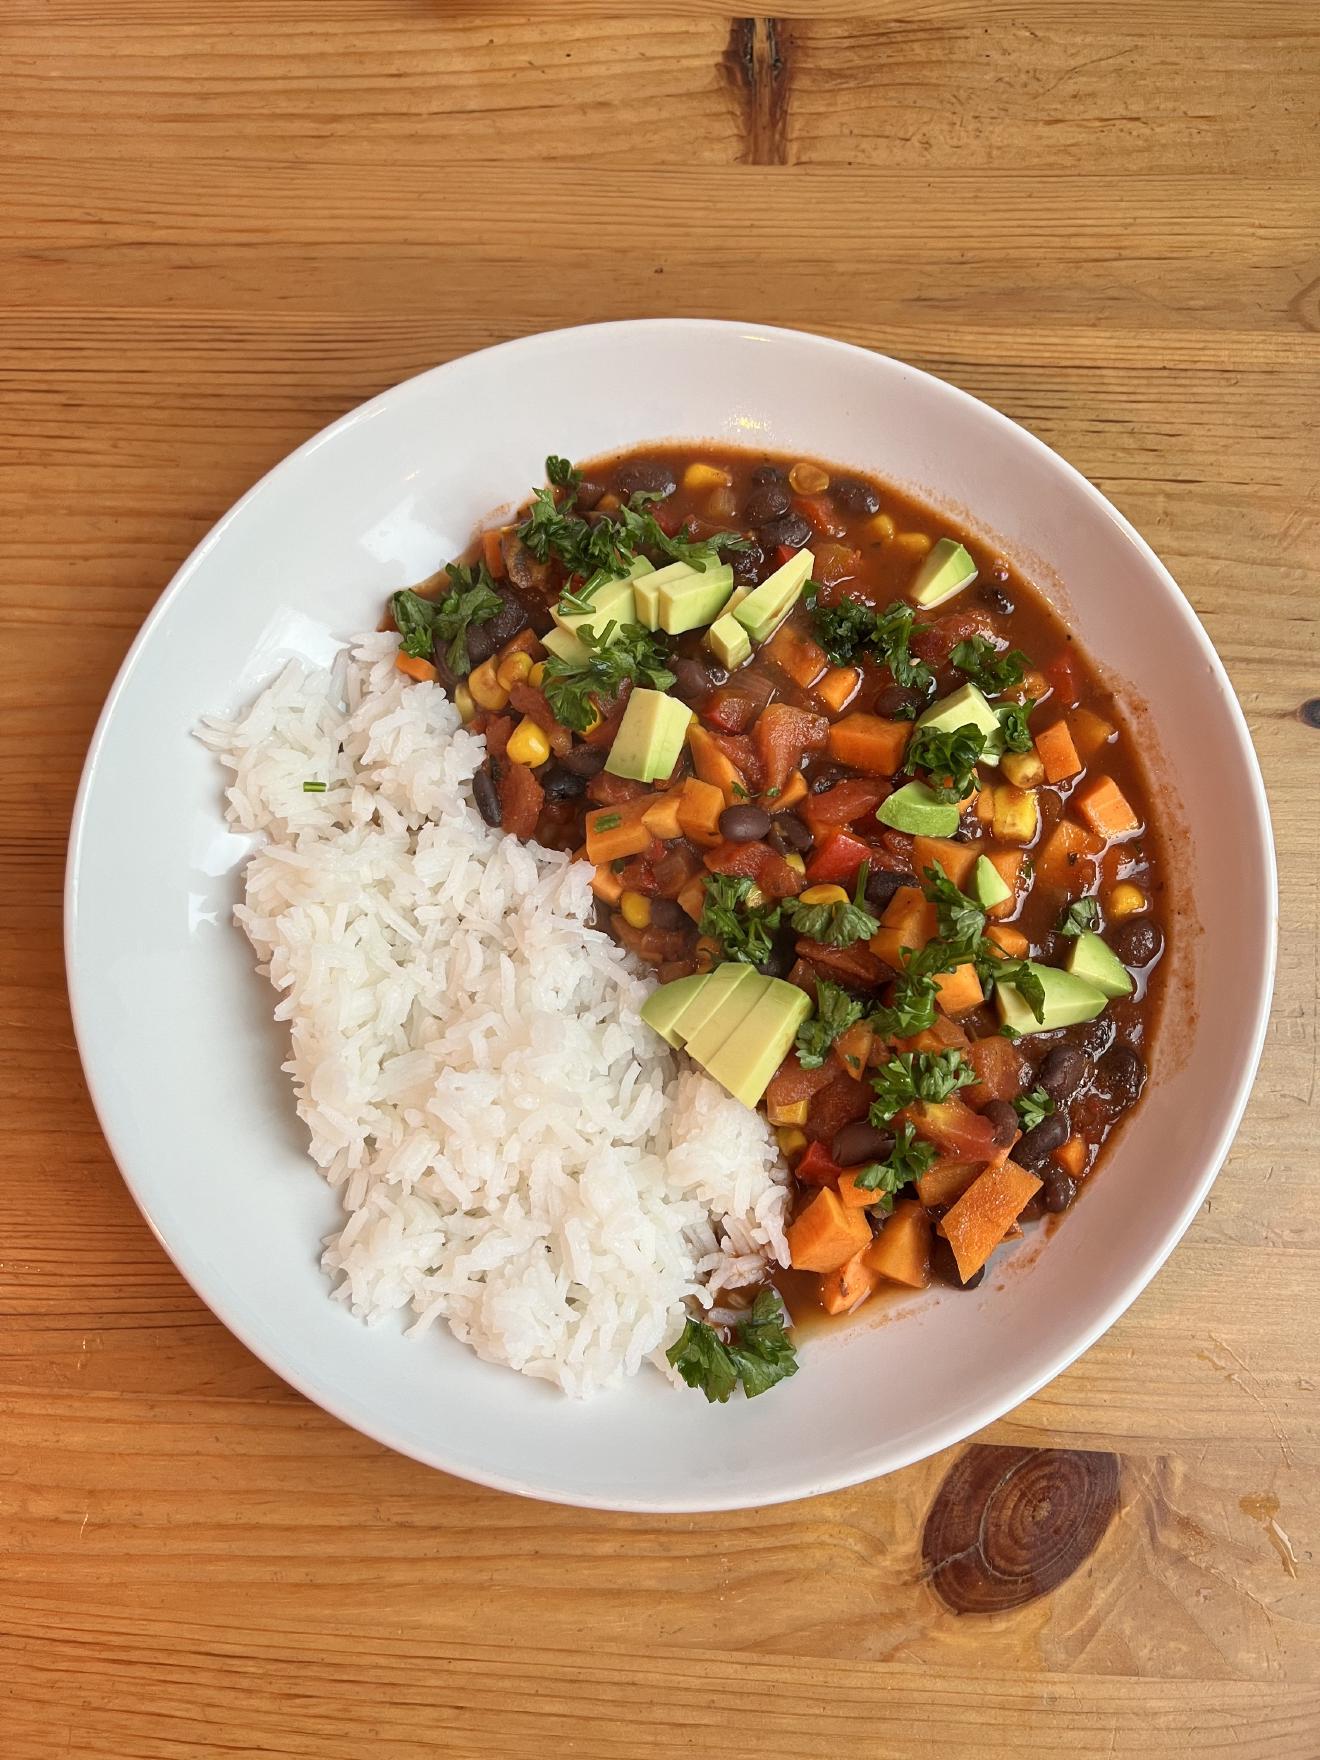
[174, 1026]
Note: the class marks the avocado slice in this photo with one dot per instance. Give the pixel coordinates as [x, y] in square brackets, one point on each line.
[948, 568]
[988, 886]
[696, 600]
[1068, 1001]
[646, 599]
[666, 1004]
[727, 1018]
[755, 1049]
[966, 707]
[917, 809]
[728, 641]
[613, 601]
[768, 605]
[650, 736]
[704, 1002]
[1093, 959]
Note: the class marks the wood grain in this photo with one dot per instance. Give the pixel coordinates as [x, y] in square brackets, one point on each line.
[221, 226]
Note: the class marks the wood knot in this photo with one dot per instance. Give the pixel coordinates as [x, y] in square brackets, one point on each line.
[1309, 713]
[1010, 1524]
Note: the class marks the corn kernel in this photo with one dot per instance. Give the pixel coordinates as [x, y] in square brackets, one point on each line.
[796, 862]
[1125, 900]
[513, 670]
[808, 479]
[791, 1142]
[636, 908]
[793, 1113]
[464, 703]
[914, 543]
[884, 528]
[1023, 769]
[1016, 816]
[528, 744]
[596, 717]
[705, 476]
[486, 688]
[1034, 685]
[823, 895]
[535, 676]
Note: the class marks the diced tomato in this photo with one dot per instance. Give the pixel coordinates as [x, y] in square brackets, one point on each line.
[669, 519]
[786, 552]
[521, 796]
[897, 850]
[802, 974]
[845, 803]
[1063, 677]
[816, 1168]
[527, 700]
[954, 1128]
[836, 562]
[855, 965]
[777, 879]
[843, 1102]
[741, 859]
[603, 734]
[730, 711]
[639, 876]
[837, 861]
[612, 791]
[782, 736]
[820, 515]
[792, 1084]
[759, 863]
[743, 755]
[497, 730]
[934, 642]
[676, 867]
[999, 1067]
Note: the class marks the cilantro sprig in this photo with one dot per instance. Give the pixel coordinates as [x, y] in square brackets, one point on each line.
[760, 1355]
[909, 1158]
[839, 924]
[989, 670]
[613, 654]
[421, 623]
[917, 1075]
[949, 757]
[1032, 1108]
[836, 1011]
[1014, 734]
[744, 931]
[1082, 914]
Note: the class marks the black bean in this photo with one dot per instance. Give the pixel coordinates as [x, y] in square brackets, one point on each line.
[562, 784]
[882, 884]
[584, 760]
[1005, 1120]
[747, 564]
[860, 1142]
[744, 824]
[767, 501]
[945, 1267]
[487, 796]
[1064, 1072]
[789, 529]
[1059, 1191]
[1096, 1036]
[792, 832]
[778, 963]
[504, 626]
[645, 473]
[666, 914]
[821, 777]
[1137, 941]
[896, 702]
[588, 494]
[769, 473]
[854, 496]
[996, 597]
[1041, 1141]
[1123, 1075]
[691, 679]
[480, 646]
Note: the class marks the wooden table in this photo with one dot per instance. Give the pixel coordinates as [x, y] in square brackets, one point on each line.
[226, 222]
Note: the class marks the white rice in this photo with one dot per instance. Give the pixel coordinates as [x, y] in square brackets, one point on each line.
[516, 1153]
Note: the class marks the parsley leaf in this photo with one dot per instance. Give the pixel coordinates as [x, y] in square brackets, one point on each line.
[745, 932]
[850, 625]
[836, 1011]
[912, 1009]
[583, 549]
[917, 1075]
[1018, 972]
[1082, 914]
[1014, 734]
[641, 533]
[908, 1160]
[961, 920]
[560, 472]
[414, 618]
[471, 599]
[1033, 1107]
[836, 925]
[613, 655]
[989, 670]
[949, 757]
[760, 1355]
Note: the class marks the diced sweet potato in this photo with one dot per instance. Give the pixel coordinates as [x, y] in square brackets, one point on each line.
[794, 653]
[793, 791]
[825, 1235]
[837, 687]
[946, 1181]
[960, 990]
[1089, 732]
[1071, 1157]
[699, 807]
[1007, 863]
[851, 1195]
[984, 1214]
[613, 832]
[661, 817]
[956, 859]
[852, 1050]
[869, 743]
[901, 1251]
[1057, 752]
[843, 1290]
[1106, 809]
[1066, 858]
[714, 766]
[1012, 941]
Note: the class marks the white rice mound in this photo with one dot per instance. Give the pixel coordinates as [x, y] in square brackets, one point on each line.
[517, 1154]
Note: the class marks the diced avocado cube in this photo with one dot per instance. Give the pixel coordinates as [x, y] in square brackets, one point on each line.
[1093, 959]
[696, 600]
[729, 642]
[1069, 1000]
[645, 598]
[768, 605]
[650, 736]
[966, 707]
[728, 1017]
[665, 1005]
[565, 645]
[947, 569]
[755, 1049]
[988, 885]
[917, 809]
[614, 601]
[724, 979]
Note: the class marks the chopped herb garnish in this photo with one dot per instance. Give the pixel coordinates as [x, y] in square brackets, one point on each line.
[836, 1011]
[607, 822]
[613, 655]
[1082, 914]
[851, 625]
[913, 1007]
[422, 623]
[908, 1160]
[989, 670]
[961, 920]
[744, 931]
[949, 758]
[560, 472]
[836, 925]
[313, 788]
[1010, 1033]
[1014, 734]
[1033, 1107]
[760, 1355]
[993, 968]
[917, 1075]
